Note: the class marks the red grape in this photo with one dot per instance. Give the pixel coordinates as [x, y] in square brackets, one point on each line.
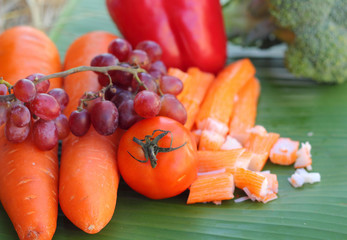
[147, 80]
[120, 48]
[139, 58]
[62, 124]
[45, 134]
[41, 87]
[121, 96]
[104, 60]
[147, 104]
[158, 66]
[122, 78]
[104, 117]
[20, 115]
[16, 134]
[4, 107]
[79, 122]
[3, 89]
[152, 49]
[171, 85]
[110, 92]
[127, 115]
[171, 107]
[45, 106]
[24, 90]
[61, 96]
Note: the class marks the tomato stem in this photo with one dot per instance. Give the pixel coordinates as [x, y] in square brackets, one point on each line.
[150, 146]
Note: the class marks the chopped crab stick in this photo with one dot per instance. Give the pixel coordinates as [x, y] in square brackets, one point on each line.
[245, 111]
[284, 151]
[256, 184]
[271, 181]
[183, 76]
[215, 160]
[193, 93]
[260, 144]
[301, 176]
[217, 107]
[304, 156]
[213, 187]
[230, 143]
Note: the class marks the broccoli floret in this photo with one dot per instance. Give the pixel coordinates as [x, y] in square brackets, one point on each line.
[319, 50]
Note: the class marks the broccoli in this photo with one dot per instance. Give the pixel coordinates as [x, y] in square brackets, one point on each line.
[319, 49]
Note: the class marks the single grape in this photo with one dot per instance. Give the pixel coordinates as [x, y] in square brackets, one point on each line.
[147, 80]
[121, 96]
[104, 60]
[16, 134]
[139, 58]
[147, 104]
[3, 89]
[45, 134]
[171, 107]
[41, 87]
[62, 124]
[110, 92]
[120, 48]
[20, 115]
[61, 96]
[171, 85]
[45, 106]
[104, 117]
[4, 108]
[121, 78]
[127, 115]
[24, 90]
[152, 49]
[158, 66]
[79, 122]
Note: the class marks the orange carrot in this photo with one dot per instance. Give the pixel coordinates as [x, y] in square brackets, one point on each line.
[284, 151]
[21, 48]
[194, 90]
[216, 160]
[245, 111]
[88, 175]
[260, 144]
[212, 187]
[28, 176]
[217, 107]
[176, 72]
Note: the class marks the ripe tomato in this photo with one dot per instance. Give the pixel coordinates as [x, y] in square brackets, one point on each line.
[174, 171]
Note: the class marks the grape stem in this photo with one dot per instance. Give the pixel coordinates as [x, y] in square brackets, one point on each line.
[132, 70]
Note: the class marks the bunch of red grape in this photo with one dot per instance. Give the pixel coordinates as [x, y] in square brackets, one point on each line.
[36, 111]
[127, 98]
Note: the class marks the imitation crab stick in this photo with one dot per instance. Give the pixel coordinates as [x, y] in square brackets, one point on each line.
[260, 145]
[217, 107]
[304, 156]
[212, 187]
[284, 151]
[88, 175]
[194, 90]
[25, 50]
[245, 111]
[28, 176]
[216, 160]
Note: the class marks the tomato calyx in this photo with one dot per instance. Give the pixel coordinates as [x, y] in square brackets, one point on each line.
[150, 147]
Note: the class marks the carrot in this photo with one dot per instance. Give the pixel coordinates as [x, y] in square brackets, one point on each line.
[284, 151]
[21, 48]
[216, 160]
[28, 176]
[89, 176]
[245, 111]
[212, 187]
[194, 90]
[217, 107]
[176, 72]
[260, 144]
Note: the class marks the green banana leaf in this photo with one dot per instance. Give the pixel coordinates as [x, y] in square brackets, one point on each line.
[295, 108]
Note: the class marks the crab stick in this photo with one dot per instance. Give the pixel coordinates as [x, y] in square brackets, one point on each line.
[284, 152]
[217, 107]
[304, 156]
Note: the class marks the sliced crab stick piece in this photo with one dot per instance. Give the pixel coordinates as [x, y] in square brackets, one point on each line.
[245, 111]
[212, 187]
[304, 156]
[284, 152]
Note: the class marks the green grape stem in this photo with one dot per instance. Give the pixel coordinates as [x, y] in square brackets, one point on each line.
[133, 70]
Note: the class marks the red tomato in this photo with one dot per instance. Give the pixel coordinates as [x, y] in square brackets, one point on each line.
[175, 170]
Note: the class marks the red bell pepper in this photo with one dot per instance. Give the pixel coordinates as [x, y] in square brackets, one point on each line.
[190, 32]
